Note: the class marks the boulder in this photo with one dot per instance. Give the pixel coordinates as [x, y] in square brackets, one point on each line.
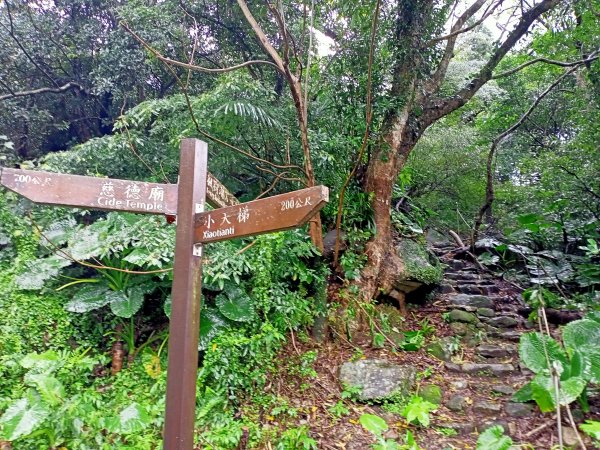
[419, 267]
[378, 378]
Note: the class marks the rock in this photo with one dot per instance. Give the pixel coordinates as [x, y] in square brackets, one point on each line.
[440, 349]
[459, 384]
[419, 267]
[459, 328]
[570, 437]
[488, 289]
[503, 322]
[519, 409]
[513, 336]
[461, 276]
[446, 288]
[437, 239]
[378, 378]
[492, 351]
[486, 312]
[487, 408]
[391, 434]
[469, 289]
[503, 389]
[456, 315]
[486, 369]
[475, 301]
[457, 403]
[431, 393]
[453, 367]
[457, 264]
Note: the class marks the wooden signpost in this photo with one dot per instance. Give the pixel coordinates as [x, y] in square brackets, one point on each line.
[195, 227]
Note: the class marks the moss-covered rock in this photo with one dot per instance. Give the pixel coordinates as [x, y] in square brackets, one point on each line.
[419, 267]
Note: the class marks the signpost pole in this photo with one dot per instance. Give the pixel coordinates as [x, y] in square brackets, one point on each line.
[185, 311]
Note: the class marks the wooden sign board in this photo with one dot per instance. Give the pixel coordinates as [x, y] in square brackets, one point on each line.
[91, 192]
[106, 194]
[277, 213]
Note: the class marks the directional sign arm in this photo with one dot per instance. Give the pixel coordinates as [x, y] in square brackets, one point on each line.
[280, 212]
[91, 192]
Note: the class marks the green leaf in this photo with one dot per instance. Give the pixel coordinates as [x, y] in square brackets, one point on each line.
[545, 395]
[88, 298]
[494, 439]
[51, 390]
[41, 362]
[531, 351]
[524, 394]
[581, 334]
[126, 304]
[236, 305]
[21, 418]
[418, 410]
[591, 428]
[132, 419]
[211, 323]
[374, 424]
[593, 357]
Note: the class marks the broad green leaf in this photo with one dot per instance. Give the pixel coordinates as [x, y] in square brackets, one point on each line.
[494, 439]
[533, 348]
[50, 389]
[373, 424]
[593, 358]
[211, 323]
[88, 298]
[591, 428]
[132, 419]
[126, 304]
[40, 270]
[544, 392]
[582, 334]
[41, 362]
[579, 365]
[236, 305]
[21, 418]
[524, 394]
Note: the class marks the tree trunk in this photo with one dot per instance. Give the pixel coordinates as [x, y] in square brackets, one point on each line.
[385, 164]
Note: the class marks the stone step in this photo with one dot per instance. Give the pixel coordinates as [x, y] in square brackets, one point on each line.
[462, 276]
[507, 335]
[472, 301]
[495, 351]
[477, 288]
[482, 369]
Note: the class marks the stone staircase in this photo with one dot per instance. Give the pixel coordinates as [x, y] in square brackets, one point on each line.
[480, 312]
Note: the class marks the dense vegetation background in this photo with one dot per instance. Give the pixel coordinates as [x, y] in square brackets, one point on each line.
[481, 118]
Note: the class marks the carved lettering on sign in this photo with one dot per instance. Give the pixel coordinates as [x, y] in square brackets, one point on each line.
[280, 212]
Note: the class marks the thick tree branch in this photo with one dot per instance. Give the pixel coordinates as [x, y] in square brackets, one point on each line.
[188, 66]
[438, 108]
[45, 90]
[264, 41]
[436, 80]
[547, 61]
